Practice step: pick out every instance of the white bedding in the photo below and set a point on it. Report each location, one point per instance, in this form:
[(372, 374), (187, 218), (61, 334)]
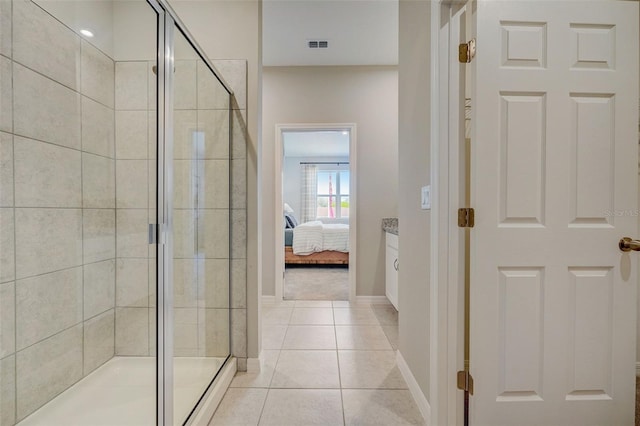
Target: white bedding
[(311, 237)]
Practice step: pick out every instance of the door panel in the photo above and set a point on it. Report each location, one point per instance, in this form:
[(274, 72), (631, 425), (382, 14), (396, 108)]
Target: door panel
[(554, 185)]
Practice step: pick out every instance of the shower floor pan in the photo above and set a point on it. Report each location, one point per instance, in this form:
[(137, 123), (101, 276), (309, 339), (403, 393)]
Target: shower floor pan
[(122, 392)]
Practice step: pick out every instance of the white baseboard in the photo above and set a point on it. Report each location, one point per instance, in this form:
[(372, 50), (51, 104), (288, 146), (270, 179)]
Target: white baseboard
[(253, 364), (637, 368), (414, 388), (215, 394), (373, 300)]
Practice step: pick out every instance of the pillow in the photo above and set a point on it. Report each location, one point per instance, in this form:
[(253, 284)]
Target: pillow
[(287, 208), (291, 221)]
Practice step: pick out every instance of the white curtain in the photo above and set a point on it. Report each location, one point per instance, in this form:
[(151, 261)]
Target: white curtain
[(309, 192)]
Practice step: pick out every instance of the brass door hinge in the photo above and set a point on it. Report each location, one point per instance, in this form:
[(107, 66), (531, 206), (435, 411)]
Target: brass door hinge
[(467, 51), (466, 218), (465, 382)]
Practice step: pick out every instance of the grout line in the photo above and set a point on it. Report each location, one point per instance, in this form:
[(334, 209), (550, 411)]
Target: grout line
[(80, 106), (15, 239), (335, 332)]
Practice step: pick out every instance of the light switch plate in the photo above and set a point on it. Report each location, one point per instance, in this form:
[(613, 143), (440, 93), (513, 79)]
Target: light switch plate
[(426, 197)]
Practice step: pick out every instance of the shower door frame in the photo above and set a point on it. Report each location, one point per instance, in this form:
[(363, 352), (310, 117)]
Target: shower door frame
[(161, 232)]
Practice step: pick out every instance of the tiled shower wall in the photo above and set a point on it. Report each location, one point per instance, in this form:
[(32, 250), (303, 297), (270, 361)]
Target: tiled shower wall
[(207, 253), (73, 291), (135, 152), (57, 215)]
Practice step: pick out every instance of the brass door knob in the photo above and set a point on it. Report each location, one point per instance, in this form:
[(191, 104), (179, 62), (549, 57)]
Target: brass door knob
[(627, 244)]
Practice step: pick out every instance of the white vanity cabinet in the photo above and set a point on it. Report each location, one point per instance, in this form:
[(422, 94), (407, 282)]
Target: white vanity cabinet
[(391, 269)]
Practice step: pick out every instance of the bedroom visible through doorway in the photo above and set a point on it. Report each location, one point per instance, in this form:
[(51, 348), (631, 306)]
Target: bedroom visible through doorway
[(316, 214)]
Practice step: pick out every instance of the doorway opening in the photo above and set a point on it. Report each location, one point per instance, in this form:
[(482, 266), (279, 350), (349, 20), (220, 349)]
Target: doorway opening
[(315, 212)]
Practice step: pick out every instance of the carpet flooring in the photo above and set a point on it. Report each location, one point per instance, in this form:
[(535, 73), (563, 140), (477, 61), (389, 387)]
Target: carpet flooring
[(316, 283)]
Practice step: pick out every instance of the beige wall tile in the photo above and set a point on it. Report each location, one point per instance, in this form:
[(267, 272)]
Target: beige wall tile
[(239, 135), (214, 124), (213, 330), (211, 93), (239, 332), (47, 240), (131, 86), (185, 123), (98, 181), (132, 230), (8, 385), (185, 336), (99, 287), (153, 133), (153, 84), (238, 186), (213, 233), (6, 168), (98, 75), (46, 175), (7, 319), (44, 109), (99, 234), (153, 187), (46, 305), (99, 343), (5, 31), (153, 266), (152, 331), (238, 283), (184, 184), (35, 32), (131, 184), (184, 234), (48, 368), (239, 234), (215, 184), (132, 129), (132, 331), (234, 72), (185, 283), (7, 246), (213, 282), (97, 128), (132, 283), (185, 84), (6, 91)]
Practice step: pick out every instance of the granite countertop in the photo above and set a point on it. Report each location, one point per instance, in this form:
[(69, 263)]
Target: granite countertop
[(390, 225)]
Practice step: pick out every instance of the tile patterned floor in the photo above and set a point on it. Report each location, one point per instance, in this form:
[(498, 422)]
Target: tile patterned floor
[(324, 363)]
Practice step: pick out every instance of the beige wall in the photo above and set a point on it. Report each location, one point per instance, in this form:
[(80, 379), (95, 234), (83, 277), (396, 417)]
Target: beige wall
[(233, 30), (414, 159), (366, 96)]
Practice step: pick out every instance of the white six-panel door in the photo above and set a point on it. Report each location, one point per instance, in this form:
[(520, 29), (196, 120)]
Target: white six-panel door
[(554, 187)]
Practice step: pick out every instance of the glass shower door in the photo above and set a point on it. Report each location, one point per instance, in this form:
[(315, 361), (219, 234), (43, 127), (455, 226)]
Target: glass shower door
[(78, 182), (201, 341)]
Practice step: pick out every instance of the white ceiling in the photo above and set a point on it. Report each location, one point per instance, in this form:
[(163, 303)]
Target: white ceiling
[(316, 144), (360, 32)]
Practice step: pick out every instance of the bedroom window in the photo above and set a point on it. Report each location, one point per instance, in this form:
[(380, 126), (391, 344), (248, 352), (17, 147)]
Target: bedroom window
[(333, 193)]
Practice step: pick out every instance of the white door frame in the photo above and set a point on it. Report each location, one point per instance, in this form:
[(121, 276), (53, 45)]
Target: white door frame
[(279, 204), (447, 241)]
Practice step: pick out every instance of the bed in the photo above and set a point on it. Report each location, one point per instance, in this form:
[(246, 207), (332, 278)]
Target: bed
[(317, 243)]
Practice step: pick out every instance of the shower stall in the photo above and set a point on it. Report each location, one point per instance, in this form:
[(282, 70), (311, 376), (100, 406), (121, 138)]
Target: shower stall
[(122, 245)]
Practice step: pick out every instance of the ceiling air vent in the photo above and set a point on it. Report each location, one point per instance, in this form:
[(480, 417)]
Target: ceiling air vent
[(318, 44)]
